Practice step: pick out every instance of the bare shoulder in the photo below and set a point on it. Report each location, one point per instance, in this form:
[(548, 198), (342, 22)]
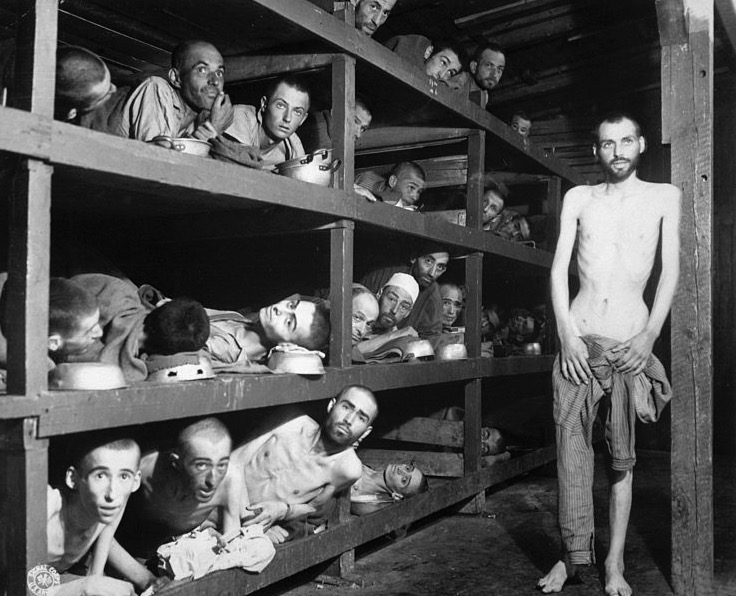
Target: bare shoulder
[(667, 197), (577, 197), (350, 467)]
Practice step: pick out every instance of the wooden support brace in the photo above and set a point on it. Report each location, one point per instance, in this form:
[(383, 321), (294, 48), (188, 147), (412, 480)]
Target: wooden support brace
[(24, 470), (341, 302), (27, 287), (687, 103), (432, 431)]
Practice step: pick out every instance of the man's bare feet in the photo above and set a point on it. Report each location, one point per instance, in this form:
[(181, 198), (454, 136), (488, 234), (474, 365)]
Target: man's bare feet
[(554, 580), (616, 585)]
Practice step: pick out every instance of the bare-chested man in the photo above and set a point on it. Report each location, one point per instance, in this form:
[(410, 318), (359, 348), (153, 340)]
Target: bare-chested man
[(607, 331), (293, 470), (179, 490)]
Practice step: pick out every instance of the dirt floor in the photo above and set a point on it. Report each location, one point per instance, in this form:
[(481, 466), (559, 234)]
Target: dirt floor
[(504, 551)]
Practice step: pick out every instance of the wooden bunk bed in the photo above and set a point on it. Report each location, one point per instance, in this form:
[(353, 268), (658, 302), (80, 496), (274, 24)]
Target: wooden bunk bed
[(225, 199)]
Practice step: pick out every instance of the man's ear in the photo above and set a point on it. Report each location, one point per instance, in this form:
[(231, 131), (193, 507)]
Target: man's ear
[(55, 342), (174, 77), (642, 145), (175, 460), (264, 103), (331, 404), (396, 496), (72, 114), (392, 180), (428, 52), (595, 150), (473, 66), (71, 478), (136, 481)]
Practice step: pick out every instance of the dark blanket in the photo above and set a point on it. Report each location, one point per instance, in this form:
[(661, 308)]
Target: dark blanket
[(121, 317)]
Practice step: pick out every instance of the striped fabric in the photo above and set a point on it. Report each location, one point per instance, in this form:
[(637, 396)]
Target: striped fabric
[(625, 397)]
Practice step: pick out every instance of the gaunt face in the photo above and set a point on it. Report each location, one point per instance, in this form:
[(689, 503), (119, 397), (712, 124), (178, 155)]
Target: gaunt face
[(619, 148)]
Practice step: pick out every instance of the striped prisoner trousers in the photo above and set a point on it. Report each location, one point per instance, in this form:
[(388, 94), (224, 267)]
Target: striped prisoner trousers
[(575, 409)]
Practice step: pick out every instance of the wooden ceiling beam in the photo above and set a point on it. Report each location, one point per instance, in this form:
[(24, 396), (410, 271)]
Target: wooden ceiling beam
[(555, 79)]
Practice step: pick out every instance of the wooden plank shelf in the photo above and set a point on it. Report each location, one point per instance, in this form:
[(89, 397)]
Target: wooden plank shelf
[(307, 552), (180, 182), (62, 412)]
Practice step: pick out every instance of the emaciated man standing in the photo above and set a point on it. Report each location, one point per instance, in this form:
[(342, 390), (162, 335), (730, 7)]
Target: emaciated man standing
[(606, 337)]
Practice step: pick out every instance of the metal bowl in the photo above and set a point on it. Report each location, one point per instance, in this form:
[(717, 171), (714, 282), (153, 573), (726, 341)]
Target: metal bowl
[(87, 376), (453, 352), (316, 167), (184, 145), (420, 349), (532, 349), (289, 358)]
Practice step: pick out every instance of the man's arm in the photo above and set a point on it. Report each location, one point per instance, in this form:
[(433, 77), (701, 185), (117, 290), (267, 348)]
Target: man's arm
[(573, 352), (636, 350), (127, 566)]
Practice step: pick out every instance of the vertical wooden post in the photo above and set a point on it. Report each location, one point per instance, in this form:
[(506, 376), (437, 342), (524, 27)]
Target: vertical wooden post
[(686, 33), (24, 470), (23, 457), (343, 135), (474, 300), (341, 302)]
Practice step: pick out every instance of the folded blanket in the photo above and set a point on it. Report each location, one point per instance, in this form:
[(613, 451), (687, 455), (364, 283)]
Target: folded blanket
[(121, 317), (198, 553)]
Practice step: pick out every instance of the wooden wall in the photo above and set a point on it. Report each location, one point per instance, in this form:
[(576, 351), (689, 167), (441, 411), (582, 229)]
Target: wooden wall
[(724, 333)]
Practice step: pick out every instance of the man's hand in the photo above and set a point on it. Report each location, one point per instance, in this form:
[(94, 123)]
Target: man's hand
[(633, 354), (267, 513), (574, 360), (364, 192), (277, 534), (222, 113), (96, 585)]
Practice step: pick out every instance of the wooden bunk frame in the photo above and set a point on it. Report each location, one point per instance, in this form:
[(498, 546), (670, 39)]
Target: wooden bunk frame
[(30, 414)]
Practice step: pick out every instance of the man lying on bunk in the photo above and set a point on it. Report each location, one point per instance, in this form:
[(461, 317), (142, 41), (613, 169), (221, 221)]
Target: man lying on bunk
[(269, 130), (395, 302), (426, 265), (189, 102), (134, 330), (364, 313), (294, 469), (74, 322), (441, 61), (85, 94), (402, 187), (317, 130), (84, 513), (396, 481), (180, 489), (239, 341), (484, 71), (371, 14)]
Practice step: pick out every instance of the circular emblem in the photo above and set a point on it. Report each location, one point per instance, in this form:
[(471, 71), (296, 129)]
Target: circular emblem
[(41, 579)]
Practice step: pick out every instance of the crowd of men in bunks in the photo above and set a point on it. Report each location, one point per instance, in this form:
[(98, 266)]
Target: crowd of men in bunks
[(212, 497)]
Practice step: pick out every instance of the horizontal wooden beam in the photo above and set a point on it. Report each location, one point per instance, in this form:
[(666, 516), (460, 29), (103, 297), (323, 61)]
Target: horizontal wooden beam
[(392, 137), (248, 68), (63, 412), (181, 183)]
